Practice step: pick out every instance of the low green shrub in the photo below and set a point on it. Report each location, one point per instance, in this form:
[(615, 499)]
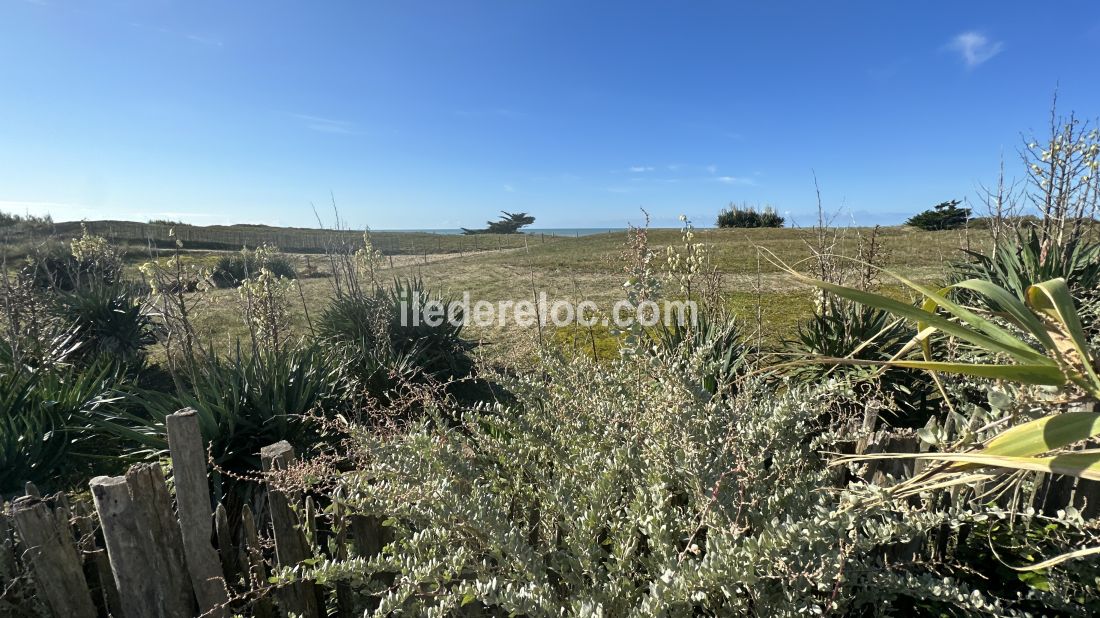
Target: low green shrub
[(231, 270), (46, 431), (841, 329), (108, 321), (622, 490), (749, 216)]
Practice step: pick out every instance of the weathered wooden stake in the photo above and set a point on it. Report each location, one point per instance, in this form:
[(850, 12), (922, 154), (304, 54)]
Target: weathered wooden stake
[(227, 550), (291, 547), (143, 544), (101, 566), (257, 572), (193, 505), (52, 556)]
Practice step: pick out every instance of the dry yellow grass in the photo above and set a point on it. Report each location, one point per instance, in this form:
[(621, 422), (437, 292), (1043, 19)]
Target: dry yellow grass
[(590, 268)]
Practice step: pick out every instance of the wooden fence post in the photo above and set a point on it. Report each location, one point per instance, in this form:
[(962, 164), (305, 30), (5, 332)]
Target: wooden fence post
[(227, 550), (195, 515), (291, 547), (143, 544), (257, 572), (101, 566), (51, 554)]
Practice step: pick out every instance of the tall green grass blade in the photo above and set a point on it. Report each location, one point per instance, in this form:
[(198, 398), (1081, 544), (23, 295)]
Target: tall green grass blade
[(1044, 375)]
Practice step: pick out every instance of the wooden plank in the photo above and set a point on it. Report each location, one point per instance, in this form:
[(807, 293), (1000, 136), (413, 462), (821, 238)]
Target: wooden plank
[(53, 559), (151, 497), (257, 571), (97, 556), (189, 473), (227, 550), (143, 544), (291, 547)]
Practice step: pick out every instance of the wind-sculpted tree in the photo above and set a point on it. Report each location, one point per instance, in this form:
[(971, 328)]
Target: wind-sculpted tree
[(510, 223), (943, 216)]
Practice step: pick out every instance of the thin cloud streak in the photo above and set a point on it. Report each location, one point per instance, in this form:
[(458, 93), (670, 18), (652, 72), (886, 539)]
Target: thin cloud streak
[(736, 180), (327, 125), (975, 48)]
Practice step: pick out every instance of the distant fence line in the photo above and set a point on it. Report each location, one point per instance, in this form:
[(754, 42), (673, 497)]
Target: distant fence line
[(232, 238)]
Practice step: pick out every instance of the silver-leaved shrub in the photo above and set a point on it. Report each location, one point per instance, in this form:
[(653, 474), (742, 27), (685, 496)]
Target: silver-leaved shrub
[(622, 490)]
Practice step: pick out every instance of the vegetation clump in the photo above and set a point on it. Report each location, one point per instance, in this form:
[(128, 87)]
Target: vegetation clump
[(509, 223), (746, 216), (233, 270), (943, 216)]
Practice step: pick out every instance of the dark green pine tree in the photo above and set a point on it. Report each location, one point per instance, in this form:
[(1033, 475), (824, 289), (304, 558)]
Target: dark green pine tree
[(943, 216)]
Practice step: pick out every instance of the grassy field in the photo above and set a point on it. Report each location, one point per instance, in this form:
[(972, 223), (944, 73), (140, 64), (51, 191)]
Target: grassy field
[(297, 240), (591, 268)]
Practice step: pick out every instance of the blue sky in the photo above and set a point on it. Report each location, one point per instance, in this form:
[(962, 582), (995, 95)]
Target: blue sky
[(439, 114)]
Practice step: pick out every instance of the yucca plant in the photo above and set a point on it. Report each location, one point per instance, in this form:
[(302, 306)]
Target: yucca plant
[(244, 402), (848, 330), (1048, 347), (388, 331), (1020, 261), (716, 342), (45, 422), (231, 270), (111, 321)]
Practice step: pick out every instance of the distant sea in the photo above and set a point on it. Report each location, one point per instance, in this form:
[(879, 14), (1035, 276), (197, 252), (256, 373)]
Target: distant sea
[(556, 231)]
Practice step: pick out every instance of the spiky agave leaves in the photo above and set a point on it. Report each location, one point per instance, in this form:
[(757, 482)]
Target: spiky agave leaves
[(46, 421), (1048, 315), (244, 401), (1064, 361), (714, 343)]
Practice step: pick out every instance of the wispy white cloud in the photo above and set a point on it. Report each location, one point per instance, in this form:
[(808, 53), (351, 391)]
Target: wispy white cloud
[(735, 180), (641, 168), (975, 48), (204, 40), (509, 188), (712, 169), (327, 125)]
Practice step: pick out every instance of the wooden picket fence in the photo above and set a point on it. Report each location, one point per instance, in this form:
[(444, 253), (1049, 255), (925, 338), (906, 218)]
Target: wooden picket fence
[(131, 553)]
